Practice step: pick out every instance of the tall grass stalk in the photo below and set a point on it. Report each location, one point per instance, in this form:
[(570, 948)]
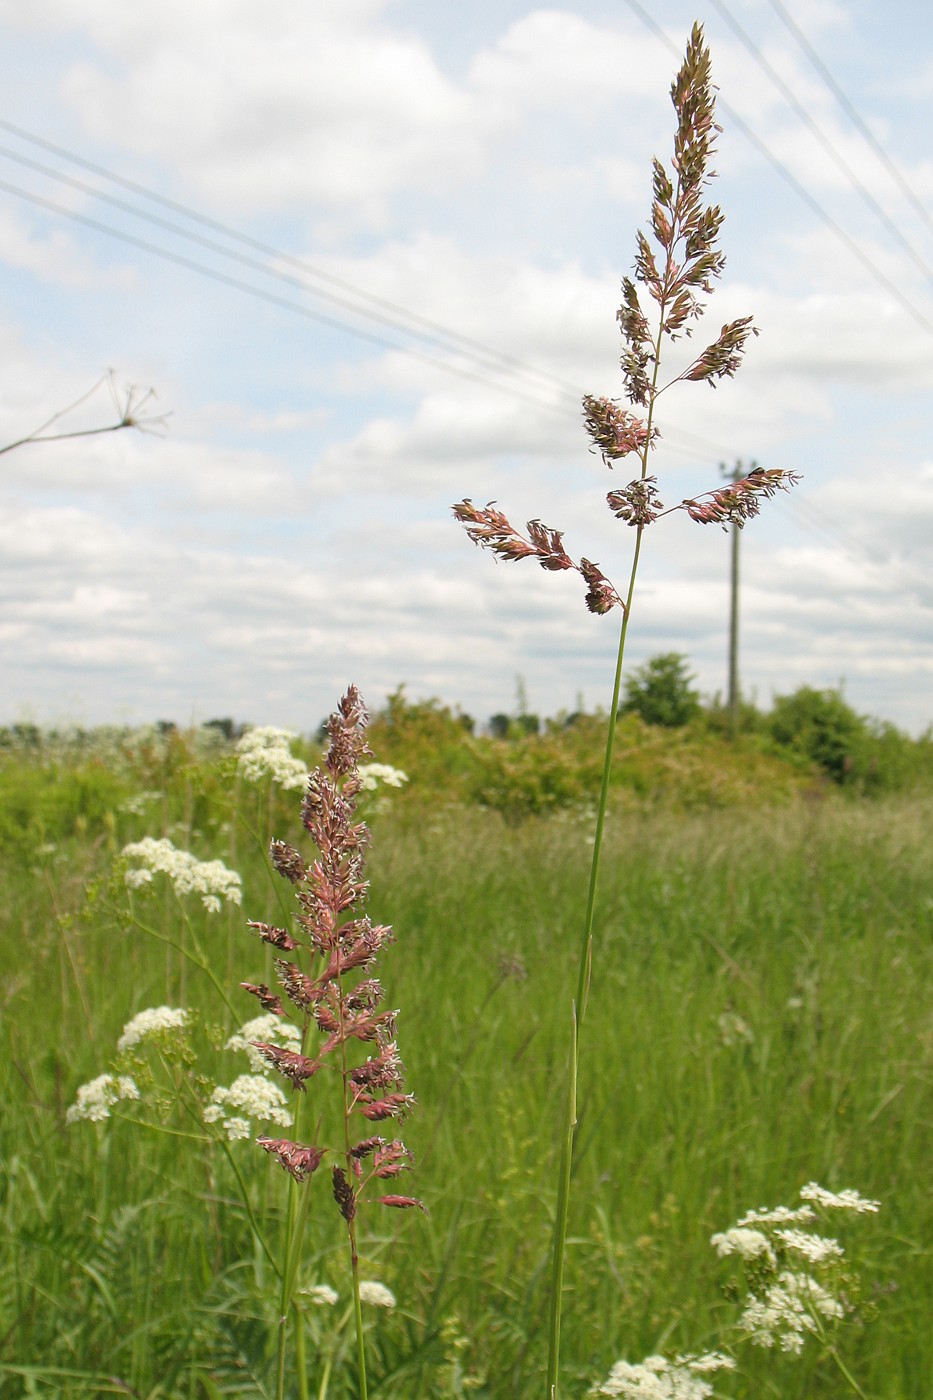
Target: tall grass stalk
[(681, 266)]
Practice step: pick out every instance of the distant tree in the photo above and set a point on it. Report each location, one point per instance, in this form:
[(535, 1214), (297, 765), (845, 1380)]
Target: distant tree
[(820, 726), (225, 726), (660, 692), (499, 726)]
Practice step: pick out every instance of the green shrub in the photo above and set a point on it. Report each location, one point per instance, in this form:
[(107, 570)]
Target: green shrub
[(661, 693)]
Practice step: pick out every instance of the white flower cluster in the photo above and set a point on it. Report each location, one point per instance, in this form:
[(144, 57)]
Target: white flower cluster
[(209, 878), (249, 1096), (94, 1101), (783, 1305), (788, 1310), (372, 774), (746, 1243), (150, 1022), (265, 752), (376, 1293), (271, 1030), (320, 1293), (656, 1378), (815, 1248), (844, 1200)]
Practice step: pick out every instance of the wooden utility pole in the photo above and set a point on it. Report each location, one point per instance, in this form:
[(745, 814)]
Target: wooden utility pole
[(735, 474)]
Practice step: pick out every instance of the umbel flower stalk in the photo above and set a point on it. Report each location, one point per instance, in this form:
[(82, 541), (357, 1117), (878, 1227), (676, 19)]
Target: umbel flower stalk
[(676, 265), (324, 970)]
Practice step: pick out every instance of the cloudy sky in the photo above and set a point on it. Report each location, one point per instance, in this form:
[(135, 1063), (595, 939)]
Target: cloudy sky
[(368, 254)]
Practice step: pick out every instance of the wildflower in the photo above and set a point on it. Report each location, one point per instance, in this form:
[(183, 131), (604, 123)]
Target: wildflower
[(779, 1215), (372, 774), (320, 1293), (787, 1311), (785, 1305), (844, 1200), (210, 879), (94, 1100), (816, 1248), (656, 1378), (271, 1029), (264, 752), (747, 1244), (151, 1022), (376, 1293), (252, 1096)]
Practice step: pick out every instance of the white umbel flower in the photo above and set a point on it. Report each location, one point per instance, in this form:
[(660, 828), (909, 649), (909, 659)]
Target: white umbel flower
[(271, 1030), (787, 1312), (209, 878), (250, 1096), (264, 752), (150, 1022), (815, 1248), (372, 774), (746, 1243), (842, 1200), (657, 1378), (94, 1100)]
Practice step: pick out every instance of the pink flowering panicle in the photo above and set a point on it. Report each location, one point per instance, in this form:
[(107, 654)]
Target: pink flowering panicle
[(325, 972), (325, 967), (675, 268), (677, 262)]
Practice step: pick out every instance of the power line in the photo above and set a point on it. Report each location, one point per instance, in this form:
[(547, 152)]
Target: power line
[(690, 443), (853, 114), (236, 235), (800, 190), (253, 263), (793, 101), (262, 294)]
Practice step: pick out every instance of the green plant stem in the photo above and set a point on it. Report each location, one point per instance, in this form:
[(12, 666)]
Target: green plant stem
[(578, 1010), (847, 1373), (199, 962), (357, 1311), (301, 1360)]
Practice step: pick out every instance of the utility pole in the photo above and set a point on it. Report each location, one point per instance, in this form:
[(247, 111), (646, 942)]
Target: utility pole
[(735, 474)]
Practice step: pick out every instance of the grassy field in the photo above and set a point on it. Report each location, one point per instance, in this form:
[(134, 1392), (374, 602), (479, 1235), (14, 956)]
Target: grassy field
[(760, 1018)]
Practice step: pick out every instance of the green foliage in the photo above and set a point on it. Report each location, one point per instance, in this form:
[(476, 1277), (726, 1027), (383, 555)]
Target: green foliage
[(660, 692), (760, 1018), (819, 727)]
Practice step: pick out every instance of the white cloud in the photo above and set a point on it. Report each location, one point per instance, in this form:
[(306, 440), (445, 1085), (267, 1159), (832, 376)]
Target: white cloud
[(56, 256)]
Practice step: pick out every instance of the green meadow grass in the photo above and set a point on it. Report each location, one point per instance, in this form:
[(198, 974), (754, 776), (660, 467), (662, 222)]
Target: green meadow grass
[(759, 1018)]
